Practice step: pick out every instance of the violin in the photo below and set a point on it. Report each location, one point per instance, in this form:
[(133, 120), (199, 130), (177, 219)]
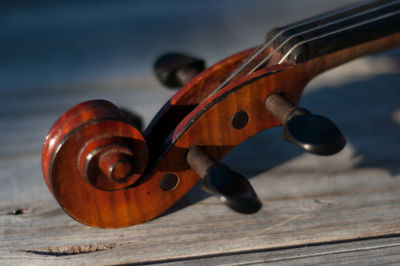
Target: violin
[(105, 172)]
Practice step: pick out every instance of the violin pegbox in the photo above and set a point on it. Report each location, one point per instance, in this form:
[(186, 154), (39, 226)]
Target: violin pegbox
[(96, 161), (313, 133)]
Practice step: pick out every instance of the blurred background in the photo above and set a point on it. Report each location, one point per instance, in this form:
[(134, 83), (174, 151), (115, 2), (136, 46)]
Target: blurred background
[(55, 54), (50, 45)]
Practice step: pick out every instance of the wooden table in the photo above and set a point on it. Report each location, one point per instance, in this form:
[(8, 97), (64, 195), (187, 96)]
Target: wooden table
[(343, 209)]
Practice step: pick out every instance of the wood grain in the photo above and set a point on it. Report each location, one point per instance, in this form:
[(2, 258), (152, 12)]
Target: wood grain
[(208, 125), (324, 208), (373, 251), (307, 199)]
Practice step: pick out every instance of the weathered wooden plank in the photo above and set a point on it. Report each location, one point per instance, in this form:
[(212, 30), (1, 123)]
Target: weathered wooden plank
[(308, 200), (326, 207), (365, 252), (380, 251)]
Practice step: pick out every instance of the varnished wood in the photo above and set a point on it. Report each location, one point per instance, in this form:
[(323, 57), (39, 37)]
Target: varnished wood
[(147, 199), (66, 123), (337, 210), (189, 118), (305, 204), (73, 160), (186, 99)]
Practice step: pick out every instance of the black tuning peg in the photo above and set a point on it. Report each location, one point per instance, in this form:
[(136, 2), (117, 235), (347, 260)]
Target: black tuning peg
[(175, 70), (313, 133), (230, 187)]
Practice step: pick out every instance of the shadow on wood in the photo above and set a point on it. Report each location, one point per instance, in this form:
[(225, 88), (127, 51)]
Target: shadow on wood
[(367, 112)]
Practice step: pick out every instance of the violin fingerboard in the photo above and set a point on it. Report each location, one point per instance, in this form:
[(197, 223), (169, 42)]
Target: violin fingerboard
[(305, 40)]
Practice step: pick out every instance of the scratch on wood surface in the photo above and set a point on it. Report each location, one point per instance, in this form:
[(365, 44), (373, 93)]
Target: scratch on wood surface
[(71, 250), (278, 224), (318, 204)]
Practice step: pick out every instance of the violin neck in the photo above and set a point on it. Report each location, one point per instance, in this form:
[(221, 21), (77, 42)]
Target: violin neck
[(360, 25)]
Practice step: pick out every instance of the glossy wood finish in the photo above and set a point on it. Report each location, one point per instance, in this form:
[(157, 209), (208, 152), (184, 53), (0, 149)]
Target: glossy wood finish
[(84, 158), (208, 124), (186, 99), (82, 113)]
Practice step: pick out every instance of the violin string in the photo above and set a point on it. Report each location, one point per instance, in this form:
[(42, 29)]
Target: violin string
[(338, 31), (320, 27), (294, 26)]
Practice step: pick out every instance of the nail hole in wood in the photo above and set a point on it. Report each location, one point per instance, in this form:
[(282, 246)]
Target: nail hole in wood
[(17, 211)]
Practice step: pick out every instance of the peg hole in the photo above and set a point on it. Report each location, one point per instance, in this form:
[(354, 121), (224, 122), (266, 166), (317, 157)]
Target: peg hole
[(169, 182), (240, 119)]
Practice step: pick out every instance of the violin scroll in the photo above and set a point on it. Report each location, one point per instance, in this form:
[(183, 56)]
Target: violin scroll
[(96, 162), (93, 148)]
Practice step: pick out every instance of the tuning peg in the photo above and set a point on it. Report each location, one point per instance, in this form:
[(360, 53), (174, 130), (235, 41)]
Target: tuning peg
[(175, 69), (232, 188), (313, 133)]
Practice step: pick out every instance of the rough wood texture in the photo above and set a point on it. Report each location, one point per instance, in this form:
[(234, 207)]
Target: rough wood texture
[(329, 205), (307, 199), (209, 125), (373, 251)]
